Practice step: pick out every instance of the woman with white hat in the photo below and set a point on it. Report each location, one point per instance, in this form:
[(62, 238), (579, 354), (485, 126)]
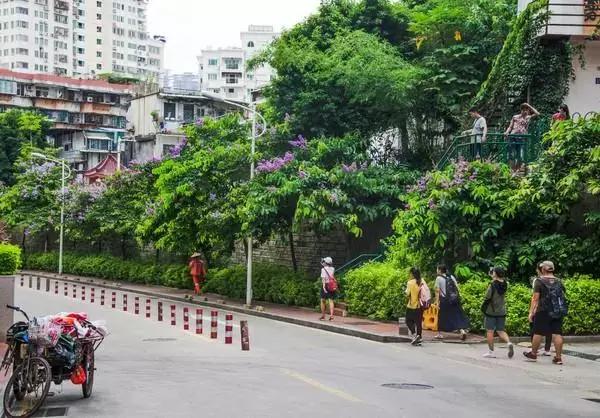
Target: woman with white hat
[(327, 278)]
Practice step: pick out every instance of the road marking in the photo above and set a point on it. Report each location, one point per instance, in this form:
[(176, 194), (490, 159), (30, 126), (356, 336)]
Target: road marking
[(320, 386)]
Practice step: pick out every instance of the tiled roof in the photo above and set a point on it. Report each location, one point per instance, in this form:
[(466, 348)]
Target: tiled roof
[(44, 78)]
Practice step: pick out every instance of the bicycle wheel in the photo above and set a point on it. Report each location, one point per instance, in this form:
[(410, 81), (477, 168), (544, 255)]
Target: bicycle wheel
[(27, 388), (88, 365)]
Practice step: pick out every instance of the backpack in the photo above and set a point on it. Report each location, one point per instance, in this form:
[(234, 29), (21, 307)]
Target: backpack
[(555, 300), (451, 290), (424, 296)]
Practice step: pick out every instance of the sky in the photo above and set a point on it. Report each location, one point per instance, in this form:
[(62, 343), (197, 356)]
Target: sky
[(193, 25)]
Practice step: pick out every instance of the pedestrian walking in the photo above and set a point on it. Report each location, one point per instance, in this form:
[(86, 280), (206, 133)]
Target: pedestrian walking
[(494, 311), (519, 126), (419, 298), (478, 133), (197, 271), (547, 337), (548, 307), (328, 286), (451, 316), (562, 114)]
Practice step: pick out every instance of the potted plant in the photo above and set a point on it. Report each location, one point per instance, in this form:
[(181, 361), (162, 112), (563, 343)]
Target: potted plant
[(10, 262)]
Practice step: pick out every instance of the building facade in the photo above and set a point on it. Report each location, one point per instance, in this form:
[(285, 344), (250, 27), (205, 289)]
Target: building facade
[(79, 38), (223, 71), (89, 116), (577, 21), (180, 81)]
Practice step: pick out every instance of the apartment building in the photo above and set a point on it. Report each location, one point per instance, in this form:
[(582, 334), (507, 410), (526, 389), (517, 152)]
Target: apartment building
[(79, 38), (577, 21), (223, 71), (180, 81), (89, 116)]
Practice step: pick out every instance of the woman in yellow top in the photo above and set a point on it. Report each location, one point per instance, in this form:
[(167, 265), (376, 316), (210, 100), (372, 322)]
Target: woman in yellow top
[(414, 312)]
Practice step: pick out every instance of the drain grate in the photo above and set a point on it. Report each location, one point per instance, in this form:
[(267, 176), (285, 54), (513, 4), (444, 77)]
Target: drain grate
[(159, 340), (58, 411), (597, 400), (407, 386)]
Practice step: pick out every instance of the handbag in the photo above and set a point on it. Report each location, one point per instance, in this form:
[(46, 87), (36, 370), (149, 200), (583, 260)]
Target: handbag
[(332, 284)]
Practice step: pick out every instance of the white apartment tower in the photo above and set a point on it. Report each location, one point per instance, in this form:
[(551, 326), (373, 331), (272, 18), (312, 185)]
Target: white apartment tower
[(79, 37), (223, 71)]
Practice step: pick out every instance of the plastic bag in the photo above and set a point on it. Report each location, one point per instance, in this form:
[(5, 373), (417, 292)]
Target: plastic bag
[(44, 332), (78, 376), (101, 327)]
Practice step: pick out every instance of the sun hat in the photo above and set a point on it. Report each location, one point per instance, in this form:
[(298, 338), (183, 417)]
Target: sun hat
[(196, 255), (327, 260), (547, 265)]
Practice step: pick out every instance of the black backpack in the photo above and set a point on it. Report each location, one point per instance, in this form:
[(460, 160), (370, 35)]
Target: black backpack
[(451, 290), (555, 300)]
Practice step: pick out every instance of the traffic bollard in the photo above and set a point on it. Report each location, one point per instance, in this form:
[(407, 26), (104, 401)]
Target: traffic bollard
[(186, 318), (198, 321), (83, 293), (124, 302), (160, 311), (173, 319), (137, 305), (213, 324), (92, 295), (148, 308), (245, 337), (114, 300), (228, 328), (101, 297), (74, 291)]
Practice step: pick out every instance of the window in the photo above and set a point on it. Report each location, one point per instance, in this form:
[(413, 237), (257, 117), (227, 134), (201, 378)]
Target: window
[(232, 63), (167, 149), (98, 41), (80, 38), (80, 50), (98, 54), (170, 111), (99, 29), (250, 77), (98, 16), (80, 25), (41, 92), (250, 44), (231, 90), (22, 10), (212, 76), (21, 64), (22, 24), (213, 61), (98, 4), (188, 112), (60, 19), (22, 51), (98, 66), (8, 87), (232, 78)]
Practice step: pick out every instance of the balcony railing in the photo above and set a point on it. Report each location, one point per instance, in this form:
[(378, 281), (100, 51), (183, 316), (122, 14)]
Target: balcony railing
[(573, 17)]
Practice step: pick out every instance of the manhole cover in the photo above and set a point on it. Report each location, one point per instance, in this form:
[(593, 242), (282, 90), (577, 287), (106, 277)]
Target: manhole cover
[(358, 323), (52, 412), (597, 400), (406, 386), (159, 340)]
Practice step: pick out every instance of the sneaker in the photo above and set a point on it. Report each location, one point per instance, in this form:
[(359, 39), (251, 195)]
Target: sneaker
[(511, 350), (416, 340), (439, 337), (557, 360), (546, 353), (463, 335), (489, 354), (530, 356)]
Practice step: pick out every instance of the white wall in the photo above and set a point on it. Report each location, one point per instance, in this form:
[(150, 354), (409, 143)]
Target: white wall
[(584, 91)]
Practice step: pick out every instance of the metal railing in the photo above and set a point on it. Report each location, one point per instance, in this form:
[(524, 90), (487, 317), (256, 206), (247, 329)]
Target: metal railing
[(357, 262)]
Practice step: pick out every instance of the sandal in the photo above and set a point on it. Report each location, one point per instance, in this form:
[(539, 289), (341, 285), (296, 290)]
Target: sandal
[(322, 318), (331, 318), (557, 360)]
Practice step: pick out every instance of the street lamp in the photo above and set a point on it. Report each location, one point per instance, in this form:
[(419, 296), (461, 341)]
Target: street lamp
[(250, 108), (62, 207)]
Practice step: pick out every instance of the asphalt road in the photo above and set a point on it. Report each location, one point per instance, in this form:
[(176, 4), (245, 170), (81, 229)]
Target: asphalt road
[(151, 369)]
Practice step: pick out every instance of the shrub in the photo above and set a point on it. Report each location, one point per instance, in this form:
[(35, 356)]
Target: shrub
[(270, 283), (376, 290), (113, 268), (10, 259)]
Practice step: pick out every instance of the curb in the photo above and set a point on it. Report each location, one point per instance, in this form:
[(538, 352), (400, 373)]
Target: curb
[(301, 322)]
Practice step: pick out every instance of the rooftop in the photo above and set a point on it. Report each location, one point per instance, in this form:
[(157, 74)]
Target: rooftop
[(76, 83)]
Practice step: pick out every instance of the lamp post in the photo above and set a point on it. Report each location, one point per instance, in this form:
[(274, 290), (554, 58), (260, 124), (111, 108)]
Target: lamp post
[(64, 167), (249, 107)]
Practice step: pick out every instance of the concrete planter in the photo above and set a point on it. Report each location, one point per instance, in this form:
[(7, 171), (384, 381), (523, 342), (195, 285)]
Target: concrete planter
[(7, 297)]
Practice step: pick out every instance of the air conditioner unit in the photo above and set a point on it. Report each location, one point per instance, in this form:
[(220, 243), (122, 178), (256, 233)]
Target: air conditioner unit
[(90, 99)]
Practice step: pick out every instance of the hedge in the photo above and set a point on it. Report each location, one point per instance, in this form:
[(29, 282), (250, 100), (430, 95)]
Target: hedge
[(10, 259), (270, 283), (113, 268), (376, 290)]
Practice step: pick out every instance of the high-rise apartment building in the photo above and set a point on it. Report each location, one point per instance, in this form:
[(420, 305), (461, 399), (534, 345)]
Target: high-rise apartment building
[(223, 71), (79, 37)]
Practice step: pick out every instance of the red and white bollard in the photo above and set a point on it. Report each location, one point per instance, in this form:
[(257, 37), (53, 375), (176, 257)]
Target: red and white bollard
[(92, 295), (74, 291), (160, 311), (114, 300), (147, 308), (228, 328), (66, 289), (102, 292), (186, 318), (56, 287), (245, 337), (137, 305), (213, 324), (83, 293), (124, 302), (173, 319), (198, 321)]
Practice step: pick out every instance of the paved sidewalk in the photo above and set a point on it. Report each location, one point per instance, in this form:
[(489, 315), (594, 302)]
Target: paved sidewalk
[(385, 332)]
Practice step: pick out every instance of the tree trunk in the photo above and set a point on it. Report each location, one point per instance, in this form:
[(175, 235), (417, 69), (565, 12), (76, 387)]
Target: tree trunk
[(46, 239), (404, 138), (123, 248), (293, 251)]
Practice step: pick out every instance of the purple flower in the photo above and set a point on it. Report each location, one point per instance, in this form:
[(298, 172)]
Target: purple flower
[(407, 207), (302, 174), (199, 122), (270, 166), (349, 168), (299, 142), (432, 204), (27, 231), (177, 149)]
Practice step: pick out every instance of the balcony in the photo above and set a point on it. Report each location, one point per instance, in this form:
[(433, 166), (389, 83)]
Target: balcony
[(61, 5), (570, 17)]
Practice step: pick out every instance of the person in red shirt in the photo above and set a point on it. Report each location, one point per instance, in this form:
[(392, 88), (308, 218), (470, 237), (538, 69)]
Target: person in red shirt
[(197, 271), (562, 114)]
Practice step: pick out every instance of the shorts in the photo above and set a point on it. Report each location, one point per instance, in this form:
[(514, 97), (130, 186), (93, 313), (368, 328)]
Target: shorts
[(494, 323), (327, 295), (543, 324)]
